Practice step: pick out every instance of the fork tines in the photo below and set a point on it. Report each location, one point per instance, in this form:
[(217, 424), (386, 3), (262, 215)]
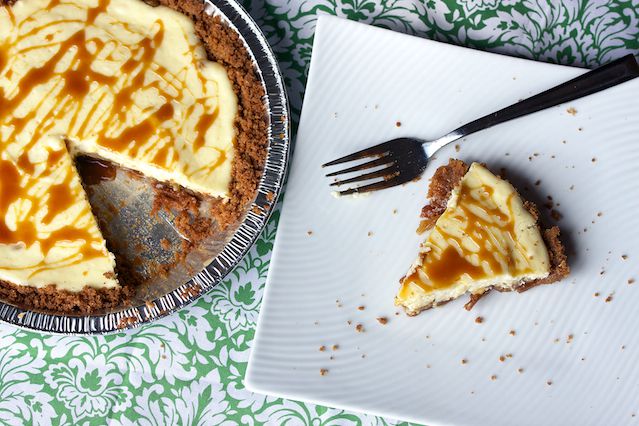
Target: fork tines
[(391, 175)]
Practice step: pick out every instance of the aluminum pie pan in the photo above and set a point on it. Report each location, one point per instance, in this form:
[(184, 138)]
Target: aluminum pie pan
[(256, 218)]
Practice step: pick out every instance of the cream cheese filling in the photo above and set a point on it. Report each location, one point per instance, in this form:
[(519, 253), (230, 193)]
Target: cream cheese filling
[(484, 238)]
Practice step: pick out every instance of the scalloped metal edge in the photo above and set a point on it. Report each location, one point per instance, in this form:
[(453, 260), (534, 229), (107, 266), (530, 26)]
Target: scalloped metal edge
[(244, 237)]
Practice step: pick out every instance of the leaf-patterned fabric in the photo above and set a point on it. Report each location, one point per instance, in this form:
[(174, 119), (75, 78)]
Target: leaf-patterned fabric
[(187, 369)]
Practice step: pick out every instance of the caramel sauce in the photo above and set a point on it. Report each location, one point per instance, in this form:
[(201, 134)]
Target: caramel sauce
[(4, 58), (162, 155), (477, 220), (165, 113), (11, 191), (94, 171), (205, 122), (71, 235), (25, 164), (71, 64), (449, 268), (60, 199), (54, 158), (220, 159)]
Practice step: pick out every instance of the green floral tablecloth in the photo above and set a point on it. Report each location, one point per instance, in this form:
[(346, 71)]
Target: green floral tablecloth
[(188, 369)]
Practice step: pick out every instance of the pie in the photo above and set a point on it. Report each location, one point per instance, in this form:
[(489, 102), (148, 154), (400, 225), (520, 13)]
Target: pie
[(481, 235), (163, 89)]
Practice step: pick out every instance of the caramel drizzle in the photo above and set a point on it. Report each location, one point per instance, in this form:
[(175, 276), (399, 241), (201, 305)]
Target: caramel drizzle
[(59, 199), (70, 91), (450, 265)]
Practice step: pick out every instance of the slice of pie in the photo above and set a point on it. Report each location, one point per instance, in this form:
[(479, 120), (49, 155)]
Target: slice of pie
[(481, 235), (165, 90), (48, 233)]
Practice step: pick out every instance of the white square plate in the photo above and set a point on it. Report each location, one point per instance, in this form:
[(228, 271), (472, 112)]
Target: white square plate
[(576, 350)]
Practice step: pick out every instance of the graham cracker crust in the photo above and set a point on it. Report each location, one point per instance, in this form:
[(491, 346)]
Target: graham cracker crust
[(223, 45), (51, 299), (445, 179)]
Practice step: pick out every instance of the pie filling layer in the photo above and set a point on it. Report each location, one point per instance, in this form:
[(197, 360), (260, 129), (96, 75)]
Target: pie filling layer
[(116, 79), (49, 234), (485, 238)]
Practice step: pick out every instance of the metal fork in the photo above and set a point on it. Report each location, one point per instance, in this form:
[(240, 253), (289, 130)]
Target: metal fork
[(406, 158)]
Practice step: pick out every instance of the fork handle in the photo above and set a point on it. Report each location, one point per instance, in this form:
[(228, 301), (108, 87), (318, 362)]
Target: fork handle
[(611, 74)]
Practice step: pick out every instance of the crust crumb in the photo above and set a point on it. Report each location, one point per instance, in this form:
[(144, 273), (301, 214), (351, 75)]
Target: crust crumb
[(126, 322), (474, 298), (165, 244)]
